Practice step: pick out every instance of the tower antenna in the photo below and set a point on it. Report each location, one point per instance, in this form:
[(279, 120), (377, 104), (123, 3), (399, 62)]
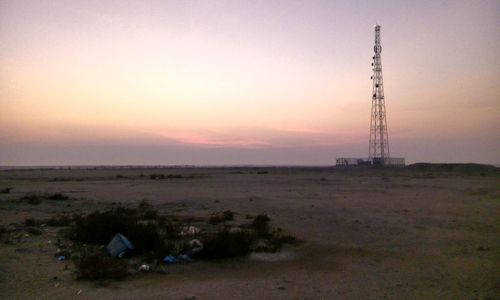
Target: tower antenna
[(378, 149), (378, 146)]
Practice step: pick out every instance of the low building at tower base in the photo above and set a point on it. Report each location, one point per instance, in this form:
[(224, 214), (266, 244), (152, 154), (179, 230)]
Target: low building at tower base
[(376, 161)]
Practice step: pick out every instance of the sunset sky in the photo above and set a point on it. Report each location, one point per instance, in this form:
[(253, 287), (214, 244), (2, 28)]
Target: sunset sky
[(245, 82)]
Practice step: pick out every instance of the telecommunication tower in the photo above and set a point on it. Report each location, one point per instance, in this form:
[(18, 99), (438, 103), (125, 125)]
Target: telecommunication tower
[(379, 138)]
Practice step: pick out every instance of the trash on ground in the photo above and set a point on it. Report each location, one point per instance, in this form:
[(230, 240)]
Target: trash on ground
[(196, 246), (189, 230), (119, 245), (62, 254), (144, 268), (184, 258), (170, 260)]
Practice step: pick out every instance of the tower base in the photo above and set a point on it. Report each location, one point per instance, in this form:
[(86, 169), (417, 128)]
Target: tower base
[(376, 161)]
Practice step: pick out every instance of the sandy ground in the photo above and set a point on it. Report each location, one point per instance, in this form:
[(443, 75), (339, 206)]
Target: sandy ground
[(369, 234)]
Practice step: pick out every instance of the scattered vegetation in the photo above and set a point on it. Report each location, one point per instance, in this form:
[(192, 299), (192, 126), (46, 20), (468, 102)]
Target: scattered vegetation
[(147, 211), (99, 227), (32, 199), (95, 264), (462, 169), (236, 172), (59, 221), (261, 225), (65, 179), (36, 199), (169, 176), (156, 176), (5, 190), (153, 235), (57, 197), (30, 222), (33, 230), (262, 172), (3, 232), (279, 238), (221, 217), (226, 244)]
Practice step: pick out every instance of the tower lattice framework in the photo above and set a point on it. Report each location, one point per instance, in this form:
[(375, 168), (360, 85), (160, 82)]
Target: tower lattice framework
[(379, 138)]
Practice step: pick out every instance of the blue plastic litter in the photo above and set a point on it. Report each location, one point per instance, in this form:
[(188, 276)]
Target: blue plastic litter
[(169, 259), (119, 245), (185, 258), (61, 258)]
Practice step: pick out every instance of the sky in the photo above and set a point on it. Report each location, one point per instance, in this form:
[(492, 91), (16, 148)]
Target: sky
[(245, 82)]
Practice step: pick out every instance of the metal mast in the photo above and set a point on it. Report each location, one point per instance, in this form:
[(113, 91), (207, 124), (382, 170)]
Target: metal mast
[(379, 138)]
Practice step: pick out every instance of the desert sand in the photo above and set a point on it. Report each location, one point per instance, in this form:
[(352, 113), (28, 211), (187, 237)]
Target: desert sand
[(367, 233)]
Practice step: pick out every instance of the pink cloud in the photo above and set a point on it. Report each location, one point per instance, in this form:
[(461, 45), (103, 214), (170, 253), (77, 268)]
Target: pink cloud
[(213, 140)]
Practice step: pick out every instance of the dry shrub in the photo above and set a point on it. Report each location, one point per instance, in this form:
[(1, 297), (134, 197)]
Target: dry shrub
[(36, 199), (32, 199), (95, 264), (59, 221), (57, 197), (169, 176), (278, 238), (33, 230), (30, 222), (261, 225), (156, 176), (226, 244), (221, 217), (100, 227), (146, 210), (5, 190)]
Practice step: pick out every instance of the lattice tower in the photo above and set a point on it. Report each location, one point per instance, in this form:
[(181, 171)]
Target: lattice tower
[(379, 138)]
